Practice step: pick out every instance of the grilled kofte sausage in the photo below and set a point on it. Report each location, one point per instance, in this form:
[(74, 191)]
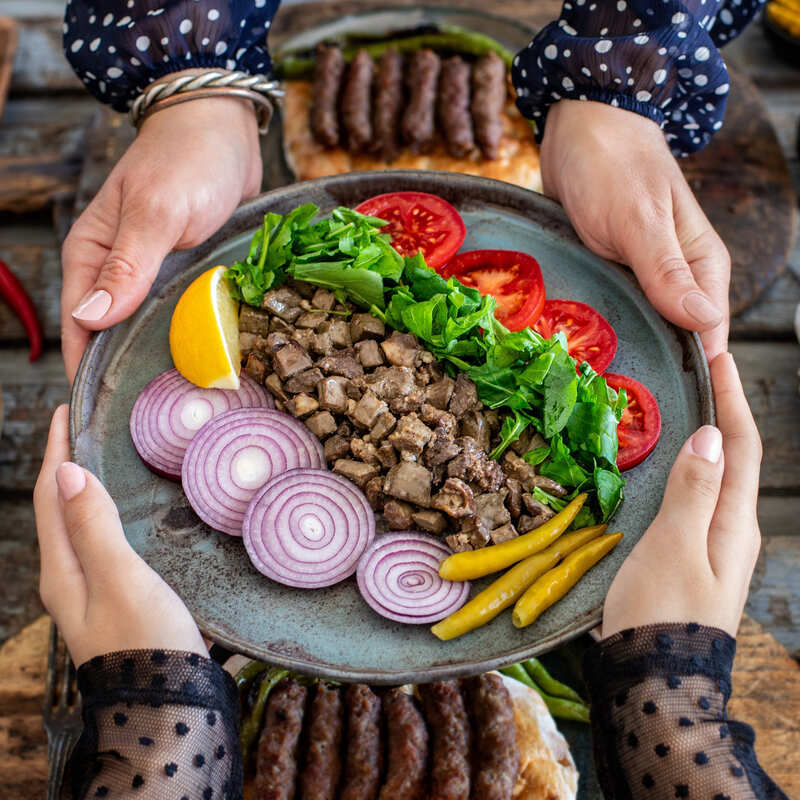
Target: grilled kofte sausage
[(408, 748), (322, 768), (276, 771), (357, 102), (488, 100), (497, 755), (388, 103), (448, 724), (453, 105), (422, 78), (363, 763), (327, 85)]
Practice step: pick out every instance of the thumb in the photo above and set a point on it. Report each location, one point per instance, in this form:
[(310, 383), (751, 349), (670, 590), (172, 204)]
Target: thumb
[(656, 257), (93, 526), (144, 237), (693, 486)]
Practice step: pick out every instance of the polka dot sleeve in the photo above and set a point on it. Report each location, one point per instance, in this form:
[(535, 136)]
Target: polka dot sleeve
[(119, 46), (157, 724), (657, 58), (659, 722)]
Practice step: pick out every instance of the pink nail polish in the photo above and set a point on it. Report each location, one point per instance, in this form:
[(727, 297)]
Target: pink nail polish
[(707, 443), (94, 307), (71, 480), (701, 308)]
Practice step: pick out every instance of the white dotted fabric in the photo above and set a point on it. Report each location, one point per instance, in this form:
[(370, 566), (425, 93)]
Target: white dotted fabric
[(658, 58), (131, 43)]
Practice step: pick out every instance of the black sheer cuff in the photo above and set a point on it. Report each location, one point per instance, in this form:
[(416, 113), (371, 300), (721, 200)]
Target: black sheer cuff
[(162, 721), (659, 721)]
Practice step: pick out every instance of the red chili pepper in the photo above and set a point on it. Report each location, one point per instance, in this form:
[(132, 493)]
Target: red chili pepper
[(13, 292)]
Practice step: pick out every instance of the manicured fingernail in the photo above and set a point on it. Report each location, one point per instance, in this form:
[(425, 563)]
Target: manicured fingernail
[(71, 480), (697, 305), (707, 443), (93, 307)]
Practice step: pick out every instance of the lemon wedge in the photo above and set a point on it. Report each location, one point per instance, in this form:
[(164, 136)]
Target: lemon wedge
[(204, 333)]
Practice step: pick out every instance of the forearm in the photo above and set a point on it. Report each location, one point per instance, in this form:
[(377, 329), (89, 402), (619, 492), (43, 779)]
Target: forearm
[(659, 722), (165, 722), (118, 50)]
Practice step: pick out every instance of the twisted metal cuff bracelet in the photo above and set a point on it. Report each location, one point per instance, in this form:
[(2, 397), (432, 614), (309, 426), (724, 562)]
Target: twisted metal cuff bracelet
[(216, 80)]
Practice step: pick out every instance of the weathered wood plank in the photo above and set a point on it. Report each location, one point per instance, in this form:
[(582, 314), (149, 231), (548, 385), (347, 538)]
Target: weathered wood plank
[(41, 150), (771, 317), (19, 564), (769, 375), (782, 105), (31, 250), (766, 693), (30, 392), (774, 598), (40, 64), (753, 52)]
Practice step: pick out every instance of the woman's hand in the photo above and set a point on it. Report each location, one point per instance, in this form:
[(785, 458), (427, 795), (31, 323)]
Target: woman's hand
[(100, 593), (694, 563), (627, 198), (183, 176)]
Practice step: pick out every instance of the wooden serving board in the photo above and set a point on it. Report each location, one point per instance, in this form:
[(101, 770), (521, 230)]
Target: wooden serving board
[(766, 684)]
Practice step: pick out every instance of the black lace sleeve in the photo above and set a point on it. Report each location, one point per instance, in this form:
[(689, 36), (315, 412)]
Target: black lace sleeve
[(659, 722), (157, 724)]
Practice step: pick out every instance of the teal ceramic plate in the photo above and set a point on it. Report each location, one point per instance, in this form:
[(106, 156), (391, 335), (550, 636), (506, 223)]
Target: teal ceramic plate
[(332, 632)]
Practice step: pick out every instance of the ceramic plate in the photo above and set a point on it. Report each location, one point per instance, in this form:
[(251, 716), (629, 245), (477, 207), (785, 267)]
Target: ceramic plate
[(332, 632)]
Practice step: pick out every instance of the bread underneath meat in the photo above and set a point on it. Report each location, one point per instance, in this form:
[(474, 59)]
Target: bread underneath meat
[(546, 766), (517, 162)]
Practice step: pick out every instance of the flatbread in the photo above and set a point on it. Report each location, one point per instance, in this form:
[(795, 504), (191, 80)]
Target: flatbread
[(518, 160), (547, 771)]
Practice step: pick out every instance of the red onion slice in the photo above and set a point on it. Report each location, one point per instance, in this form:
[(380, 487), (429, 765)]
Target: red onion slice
[(308, 528), (170, 410), (399, 578), (235, 454)]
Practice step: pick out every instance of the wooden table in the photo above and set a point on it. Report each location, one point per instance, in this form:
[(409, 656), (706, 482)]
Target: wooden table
[(41, 140)]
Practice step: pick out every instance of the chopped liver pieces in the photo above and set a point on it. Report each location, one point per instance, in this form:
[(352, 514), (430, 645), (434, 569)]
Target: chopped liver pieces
[(413, 438)]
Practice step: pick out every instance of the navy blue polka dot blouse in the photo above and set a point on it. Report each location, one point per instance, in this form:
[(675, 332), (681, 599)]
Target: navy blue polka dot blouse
[(658, 58)]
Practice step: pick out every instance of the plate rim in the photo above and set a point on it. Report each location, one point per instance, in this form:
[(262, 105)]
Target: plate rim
[(519, 199)]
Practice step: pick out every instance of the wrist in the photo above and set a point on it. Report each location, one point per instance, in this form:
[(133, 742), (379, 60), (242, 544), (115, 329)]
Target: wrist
[(226, 107), (236, 113)]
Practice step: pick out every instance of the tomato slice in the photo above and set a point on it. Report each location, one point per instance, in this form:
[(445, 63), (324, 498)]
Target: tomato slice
[(590, 337), (513, 279), (640, 426), (419, 222)]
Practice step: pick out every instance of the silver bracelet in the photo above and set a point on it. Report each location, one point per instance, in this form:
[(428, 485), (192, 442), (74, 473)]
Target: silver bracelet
[(216, 81)]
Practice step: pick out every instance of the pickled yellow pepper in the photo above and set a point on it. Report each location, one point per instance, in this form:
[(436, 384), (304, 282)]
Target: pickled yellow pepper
[(486, 605), (477, 563), (555, 583)]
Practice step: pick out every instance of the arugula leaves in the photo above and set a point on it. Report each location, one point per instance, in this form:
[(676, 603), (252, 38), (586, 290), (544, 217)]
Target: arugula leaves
[(533, 379)]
